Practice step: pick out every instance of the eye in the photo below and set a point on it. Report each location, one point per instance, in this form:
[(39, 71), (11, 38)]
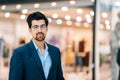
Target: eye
[(35, 26), (43, 26)]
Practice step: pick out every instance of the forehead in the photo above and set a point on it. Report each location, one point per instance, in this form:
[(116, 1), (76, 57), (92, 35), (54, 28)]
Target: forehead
[(38, 22)]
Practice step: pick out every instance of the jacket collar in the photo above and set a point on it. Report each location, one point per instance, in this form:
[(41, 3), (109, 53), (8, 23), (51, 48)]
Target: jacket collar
[(38, 61), (35, 56)]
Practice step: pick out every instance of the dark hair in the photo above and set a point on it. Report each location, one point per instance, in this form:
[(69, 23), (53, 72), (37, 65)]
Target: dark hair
[(22, 42), (36, 16)]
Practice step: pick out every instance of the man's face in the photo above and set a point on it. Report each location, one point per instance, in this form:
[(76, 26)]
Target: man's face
[(38, 30)]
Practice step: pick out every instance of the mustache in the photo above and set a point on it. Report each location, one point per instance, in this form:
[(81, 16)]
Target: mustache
[(40, 33)]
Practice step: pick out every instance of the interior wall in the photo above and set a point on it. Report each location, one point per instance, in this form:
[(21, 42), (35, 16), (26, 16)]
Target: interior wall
[(61, 35), (7, 33)]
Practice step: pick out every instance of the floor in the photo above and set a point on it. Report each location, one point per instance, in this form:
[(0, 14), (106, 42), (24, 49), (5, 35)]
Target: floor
[(104, 73)]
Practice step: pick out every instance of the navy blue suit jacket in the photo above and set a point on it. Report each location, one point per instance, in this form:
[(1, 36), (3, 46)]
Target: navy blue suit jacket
[(26, 65), (118, 61)]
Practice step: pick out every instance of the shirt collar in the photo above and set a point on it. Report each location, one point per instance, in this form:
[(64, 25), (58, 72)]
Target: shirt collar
[(36, 47)]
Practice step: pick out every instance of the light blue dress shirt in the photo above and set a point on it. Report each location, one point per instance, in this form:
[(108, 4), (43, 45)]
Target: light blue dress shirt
[(45, 59)]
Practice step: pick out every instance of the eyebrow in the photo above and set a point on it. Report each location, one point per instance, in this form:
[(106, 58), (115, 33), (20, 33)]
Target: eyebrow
[(43, 24), (40, 25)]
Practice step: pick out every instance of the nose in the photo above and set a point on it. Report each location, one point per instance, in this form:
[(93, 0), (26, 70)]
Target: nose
[(39, 29)]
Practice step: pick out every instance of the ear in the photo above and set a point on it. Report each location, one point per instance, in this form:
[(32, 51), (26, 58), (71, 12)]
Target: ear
[(30, 30)]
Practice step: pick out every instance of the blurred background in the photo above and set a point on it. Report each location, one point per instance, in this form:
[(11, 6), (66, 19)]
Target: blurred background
[(73, 24)]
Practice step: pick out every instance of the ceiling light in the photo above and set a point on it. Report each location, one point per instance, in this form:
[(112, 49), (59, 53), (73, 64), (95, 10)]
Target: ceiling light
[(64, 8), (107, 22), (50, 20), (67, 17), (104, 15), (69, 23), (92, 13), (3, 7), (78, 19), (72, 2), (101, 26), (36, 5), (77, 24), (117, 3), (7, 14), (22, 17), (59, 21), (24, 11), (18, 6), (89, 20), (42, 12), (108, 27), (55, 15), (53, 4), (87, 16), (79, 11)]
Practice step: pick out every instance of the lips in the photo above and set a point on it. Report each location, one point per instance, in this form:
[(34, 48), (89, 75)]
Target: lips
[(40, 34)]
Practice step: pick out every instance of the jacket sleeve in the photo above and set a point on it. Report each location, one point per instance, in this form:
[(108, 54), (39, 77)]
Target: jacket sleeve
[(59, 69), (16, 66), (118, 57)]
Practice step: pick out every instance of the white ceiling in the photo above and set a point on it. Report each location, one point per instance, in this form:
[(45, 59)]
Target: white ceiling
[(85, 5), (49, 10)]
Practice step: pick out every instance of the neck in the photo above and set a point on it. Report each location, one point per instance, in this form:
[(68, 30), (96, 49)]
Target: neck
[(40, 44)]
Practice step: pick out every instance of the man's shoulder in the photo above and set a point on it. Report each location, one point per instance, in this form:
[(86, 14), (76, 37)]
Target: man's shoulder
[(22, 48), (52, 46)]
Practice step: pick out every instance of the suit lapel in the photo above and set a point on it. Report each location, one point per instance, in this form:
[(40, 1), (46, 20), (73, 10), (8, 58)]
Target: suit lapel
[(36, 58), (51, 53)]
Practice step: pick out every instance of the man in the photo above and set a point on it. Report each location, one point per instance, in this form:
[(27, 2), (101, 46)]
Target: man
[(36, 60), (118, 61), (117, 32)]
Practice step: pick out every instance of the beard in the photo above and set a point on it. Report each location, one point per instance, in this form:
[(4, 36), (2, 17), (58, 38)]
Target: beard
[(40, 36)]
